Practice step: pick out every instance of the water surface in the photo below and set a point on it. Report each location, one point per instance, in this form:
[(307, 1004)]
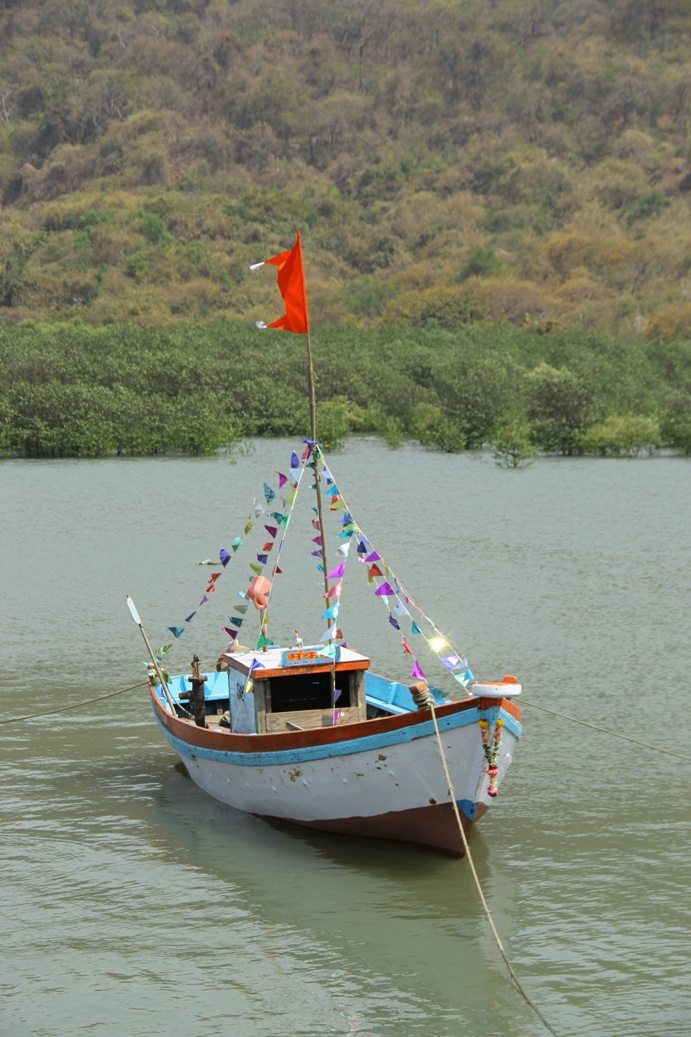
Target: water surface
[(135, 905)]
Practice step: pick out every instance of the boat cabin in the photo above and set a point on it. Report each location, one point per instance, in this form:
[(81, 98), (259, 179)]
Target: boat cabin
[(286, 689)]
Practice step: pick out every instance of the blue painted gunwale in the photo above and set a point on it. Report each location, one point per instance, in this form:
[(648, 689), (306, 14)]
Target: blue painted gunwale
[(346, 747)]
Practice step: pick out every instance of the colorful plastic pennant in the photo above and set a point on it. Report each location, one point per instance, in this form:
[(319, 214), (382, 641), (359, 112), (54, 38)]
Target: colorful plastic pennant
[(176, 631), (336, 573), (385, 588), (406, 647), (224, 557), (393, 621), (417, 672), (335, 591)]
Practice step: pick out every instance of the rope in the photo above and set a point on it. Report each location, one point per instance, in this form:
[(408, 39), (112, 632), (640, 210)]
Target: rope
[(75, 705), (604, 730), (471, 863)]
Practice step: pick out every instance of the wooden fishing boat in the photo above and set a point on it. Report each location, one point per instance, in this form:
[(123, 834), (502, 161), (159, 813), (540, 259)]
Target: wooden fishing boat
[(369, 767), (310, 734)]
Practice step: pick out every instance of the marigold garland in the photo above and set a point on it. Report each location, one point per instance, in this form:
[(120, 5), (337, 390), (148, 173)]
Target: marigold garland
[(490, 745)]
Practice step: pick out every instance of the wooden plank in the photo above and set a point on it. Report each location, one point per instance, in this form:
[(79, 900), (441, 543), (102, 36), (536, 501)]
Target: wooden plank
[(309, 718)]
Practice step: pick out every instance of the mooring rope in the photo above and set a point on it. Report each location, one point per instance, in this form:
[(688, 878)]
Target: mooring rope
[(606, 731), (488, 914), (74, 705)]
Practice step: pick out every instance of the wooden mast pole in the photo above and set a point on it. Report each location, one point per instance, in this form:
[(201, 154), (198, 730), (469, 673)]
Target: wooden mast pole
[(316, 454)]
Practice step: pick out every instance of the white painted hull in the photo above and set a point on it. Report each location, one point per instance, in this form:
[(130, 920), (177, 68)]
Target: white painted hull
[(358, 784)]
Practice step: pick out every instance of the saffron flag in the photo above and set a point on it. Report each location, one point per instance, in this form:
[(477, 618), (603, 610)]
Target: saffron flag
[(291, 284)]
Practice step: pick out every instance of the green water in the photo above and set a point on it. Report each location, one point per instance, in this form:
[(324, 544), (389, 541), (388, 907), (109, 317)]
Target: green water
[(135, 905)]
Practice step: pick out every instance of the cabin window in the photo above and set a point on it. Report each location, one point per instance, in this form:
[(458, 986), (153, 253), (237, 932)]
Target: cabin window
[(309, 691)]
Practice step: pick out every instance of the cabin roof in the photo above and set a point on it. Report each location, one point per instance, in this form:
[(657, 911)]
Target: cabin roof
[(270, 663)]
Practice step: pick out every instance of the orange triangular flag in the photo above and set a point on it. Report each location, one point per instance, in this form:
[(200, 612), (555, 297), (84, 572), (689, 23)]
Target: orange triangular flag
[(291, 283)]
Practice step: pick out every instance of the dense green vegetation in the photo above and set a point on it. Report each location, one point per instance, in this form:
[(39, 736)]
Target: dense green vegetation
[(71, 389), (447, 160)]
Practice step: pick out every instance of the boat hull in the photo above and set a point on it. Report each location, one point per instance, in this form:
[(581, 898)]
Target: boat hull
[(380, 778)]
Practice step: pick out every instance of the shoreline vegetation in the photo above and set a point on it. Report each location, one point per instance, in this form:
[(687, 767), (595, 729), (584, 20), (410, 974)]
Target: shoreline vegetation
[(68, 389)]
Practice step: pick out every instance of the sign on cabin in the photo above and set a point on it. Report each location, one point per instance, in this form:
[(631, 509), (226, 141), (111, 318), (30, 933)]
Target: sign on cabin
[(309, 656)]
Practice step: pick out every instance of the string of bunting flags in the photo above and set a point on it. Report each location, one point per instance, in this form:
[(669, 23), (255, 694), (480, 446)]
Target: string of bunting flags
[(403, 610), (387, 587), (278, 521)]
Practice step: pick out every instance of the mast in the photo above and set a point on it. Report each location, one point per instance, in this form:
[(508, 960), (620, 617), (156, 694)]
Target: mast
[(293, 288), (316, 456)]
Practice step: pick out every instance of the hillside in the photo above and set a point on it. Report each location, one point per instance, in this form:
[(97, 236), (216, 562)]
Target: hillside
[(527, 161)]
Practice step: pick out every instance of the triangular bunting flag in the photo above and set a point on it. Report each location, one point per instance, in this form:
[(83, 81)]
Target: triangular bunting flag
[(336, 573), (176, 631), (417, 671), (451, 661)]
